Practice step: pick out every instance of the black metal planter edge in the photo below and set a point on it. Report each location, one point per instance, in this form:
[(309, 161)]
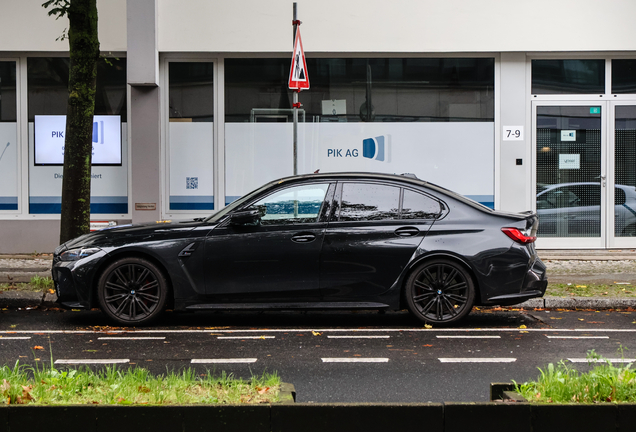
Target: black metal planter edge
[(331, 417)]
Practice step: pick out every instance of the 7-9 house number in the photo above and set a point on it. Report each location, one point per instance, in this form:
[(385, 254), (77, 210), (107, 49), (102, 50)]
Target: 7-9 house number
[(512, 133)]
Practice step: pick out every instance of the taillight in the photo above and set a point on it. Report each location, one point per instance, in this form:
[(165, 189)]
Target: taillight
[(518, 235)]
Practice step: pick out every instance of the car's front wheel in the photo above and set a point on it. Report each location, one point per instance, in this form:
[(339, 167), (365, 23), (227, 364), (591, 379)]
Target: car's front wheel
[(132, 291), (440, 291)]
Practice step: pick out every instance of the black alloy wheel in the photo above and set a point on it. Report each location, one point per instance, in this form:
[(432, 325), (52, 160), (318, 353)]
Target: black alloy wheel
[(132, 291), (440, 292)]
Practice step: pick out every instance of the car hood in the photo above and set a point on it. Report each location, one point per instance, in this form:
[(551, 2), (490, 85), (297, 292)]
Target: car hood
[(147, 230)]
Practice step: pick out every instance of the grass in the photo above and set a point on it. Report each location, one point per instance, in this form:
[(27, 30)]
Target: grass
[(36, 284), (563, 384), (50, 386), (591, 290)]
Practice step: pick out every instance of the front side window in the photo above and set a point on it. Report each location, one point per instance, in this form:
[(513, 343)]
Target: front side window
[(294, 205)]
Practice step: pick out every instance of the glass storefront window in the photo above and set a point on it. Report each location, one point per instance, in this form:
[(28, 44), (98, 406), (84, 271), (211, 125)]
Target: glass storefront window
[(568, 76), (8, 138), (47, 82), (624, 76), (363, 90), (190, 139), (363, 114)]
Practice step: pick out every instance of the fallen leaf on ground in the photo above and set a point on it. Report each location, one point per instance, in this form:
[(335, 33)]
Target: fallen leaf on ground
[(428, 326), (38, 347), (315, 333)]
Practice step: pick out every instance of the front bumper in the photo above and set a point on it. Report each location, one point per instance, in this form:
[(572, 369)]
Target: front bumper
[(73, 281)]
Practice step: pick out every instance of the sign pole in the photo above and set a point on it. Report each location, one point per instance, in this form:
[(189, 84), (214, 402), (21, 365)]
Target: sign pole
[(295, 97)]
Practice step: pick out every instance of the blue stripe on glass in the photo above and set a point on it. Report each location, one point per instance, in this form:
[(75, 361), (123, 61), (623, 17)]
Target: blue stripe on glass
[(104, 205), (191, 202)]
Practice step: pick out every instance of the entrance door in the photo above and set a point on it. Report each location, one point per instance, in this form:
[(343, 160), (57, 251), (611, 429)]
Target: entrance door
[(623, 165), (570, 174), (585, 174)]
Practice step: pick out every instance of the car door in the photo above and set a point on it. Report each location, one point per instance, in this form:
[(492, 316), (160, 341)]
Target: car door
[(373, 232), (276, 258)]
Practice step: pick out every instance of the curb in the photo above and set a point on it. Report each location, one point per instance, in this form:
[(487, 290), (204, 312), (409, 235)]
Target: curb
[(578, 303)]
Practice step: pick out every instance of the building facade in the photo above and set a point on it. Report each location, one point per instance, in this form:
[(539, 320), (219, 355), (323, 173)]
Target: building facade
[(518, 105)]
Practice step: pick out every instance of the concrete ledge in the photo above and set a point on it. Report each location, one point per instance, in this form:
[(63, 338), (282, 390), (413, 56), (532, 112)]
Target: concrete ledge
[(579, 302), (431, 417)]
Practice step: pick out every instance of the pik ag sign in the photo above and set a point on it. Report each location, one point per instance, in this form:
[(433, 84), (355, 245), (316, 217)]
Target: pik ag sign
[(377, 148)]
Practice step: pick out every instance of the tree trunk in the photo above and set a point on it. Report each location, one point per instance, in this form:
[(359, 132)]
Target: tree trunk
[(78, 139)]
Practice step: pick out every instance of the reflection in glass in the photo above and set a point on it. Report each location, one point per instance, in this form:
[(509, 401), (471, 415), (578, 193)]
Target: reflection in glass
[(397, 89), (418, 206), (568, 171), (568, 76), (294, 205), (369, 202)]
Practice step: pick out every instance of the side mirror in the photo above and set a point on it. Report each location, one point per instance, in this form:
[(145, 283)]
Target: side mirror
[(246, 217)]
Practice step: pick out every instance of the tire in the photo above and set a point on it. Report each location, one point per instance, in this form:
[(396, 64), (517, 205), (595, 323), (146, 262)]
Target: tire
[(132, 291), (440, 291)]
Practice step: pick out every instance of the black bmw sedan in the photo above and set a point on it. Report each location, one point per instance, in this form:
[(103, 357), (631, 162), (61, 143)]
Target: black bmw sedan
[(316, 241)]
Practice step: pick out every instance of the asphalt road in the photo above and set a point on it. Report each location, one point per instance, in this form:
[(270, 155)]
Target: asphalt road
[(330, 356)]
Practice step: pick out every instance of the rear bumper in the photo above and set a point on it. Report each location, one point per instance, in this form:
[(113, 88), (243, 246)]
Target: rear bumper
[(533, 284)]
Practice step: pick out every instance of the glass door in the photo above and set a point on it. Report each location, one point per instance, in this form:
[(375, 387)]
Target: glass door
[(623, 165), (570, 174)]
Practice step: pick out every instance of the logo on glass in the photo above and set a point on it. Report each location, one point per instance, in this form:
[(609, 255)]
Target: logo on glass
[(376, 148), (98, 132)]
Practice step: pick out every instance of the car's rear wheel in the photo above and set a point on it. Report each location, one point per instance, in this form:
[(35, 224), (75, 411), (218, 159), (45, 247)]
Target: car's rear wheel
[(440, 291), (132, 291)]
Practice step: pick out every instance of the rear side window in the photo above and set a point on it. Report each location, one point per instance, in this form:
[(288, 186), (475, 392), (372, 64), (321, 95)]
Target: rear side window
[(369, 202), (418, 206)]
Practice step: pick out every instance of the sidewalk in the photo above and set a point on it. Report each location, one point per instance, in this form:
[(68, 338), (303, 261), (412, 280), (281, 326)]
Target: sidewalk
[(564, 266)]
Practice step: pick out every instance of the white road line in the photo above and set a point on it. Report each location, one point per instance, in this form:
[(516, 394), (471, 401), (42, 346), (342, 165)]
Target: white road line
[(613, 360), (246, 337), (229, 360), (577, 337), (327, 330), (14, 337), (354, 360), (469, 337), (91, 361), (359, 337), (478, 360), (133, 338)]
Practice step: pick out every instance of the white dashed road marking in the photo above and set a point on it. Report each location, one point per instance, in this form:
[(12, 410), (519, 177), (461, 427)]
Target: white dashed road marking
[(477, 360), (132, 338), (612, 360), (354, 360), (91, 361), (229, 360), (14, 337), (469, 337), (577, 337), (358, 337), (246, 337)]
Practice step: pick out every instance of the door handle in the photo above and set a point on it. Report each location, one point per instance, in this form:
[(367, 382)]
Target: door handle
[(303, 238), (407, 231)]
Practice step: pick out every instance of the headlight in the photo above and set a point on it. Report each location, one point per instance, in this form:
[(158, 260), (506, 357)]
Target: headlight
[(77, 254)]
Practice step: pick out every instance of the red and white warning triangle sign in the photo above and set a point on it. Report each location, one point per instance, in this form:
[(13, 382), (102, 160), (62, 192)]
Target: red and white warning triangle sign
[(298, 78)]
